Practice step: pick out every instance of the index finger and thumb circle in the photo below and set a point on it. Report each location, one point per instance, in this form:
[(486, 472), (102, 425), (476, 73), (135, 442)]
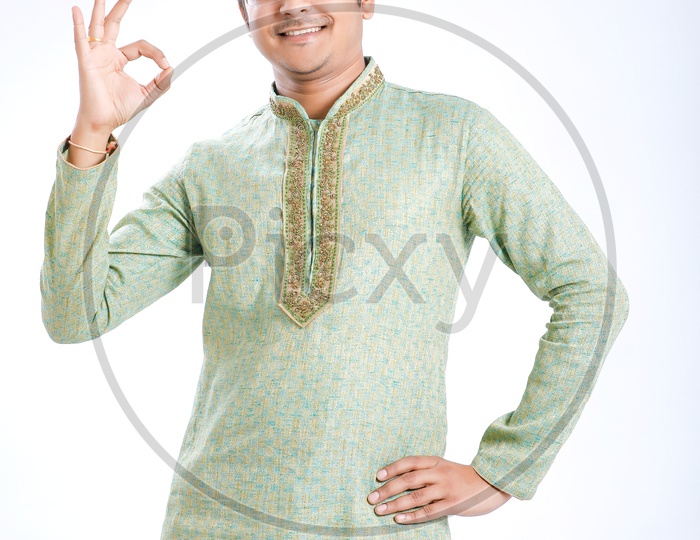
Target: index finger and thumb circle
[(140, 48), (161, 82)]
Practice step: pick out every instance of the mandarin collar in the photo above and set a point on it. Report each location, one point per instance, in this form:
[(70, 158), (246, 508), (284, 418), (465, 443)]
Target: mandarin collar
[(360, 91)]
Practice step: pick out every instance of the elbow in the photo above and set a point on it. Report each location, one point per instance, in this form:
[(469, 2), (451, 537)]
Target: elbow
[(62, 334), (612, 297), (615, 306), (63, 326), (622, 303), (64, 320), (63, 339)]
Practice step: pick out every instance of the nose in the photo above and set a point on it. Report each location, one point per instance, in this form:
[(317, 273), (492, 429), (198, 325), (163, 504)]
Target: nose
[(295, 7)]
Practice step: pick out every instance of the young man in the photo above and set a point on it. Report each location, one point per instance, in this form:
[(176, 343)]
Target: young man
[(320, 410)]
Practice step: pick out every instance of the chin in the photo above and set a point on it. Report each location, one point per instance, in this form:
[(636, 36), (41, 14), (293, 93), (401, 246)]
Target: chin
[(302, 67)]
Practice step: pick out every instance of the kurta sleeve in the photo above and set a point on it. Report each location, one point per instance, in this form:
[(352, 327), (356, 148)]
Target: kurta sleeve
[(509, 200), (92, 281)]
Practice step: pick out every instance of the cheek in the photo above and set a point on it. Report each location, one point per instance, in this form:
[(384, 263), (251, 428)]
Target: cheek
[(349, 30), (261, 41)]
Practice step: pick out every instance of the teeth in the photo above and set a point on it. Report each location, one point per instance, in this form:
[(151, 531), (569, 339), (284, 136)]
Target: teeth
[(300, 32)]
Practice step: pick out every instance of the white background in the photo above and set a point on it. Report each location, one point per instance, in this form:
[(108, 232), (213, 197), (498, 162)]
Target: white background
[(626, 72)]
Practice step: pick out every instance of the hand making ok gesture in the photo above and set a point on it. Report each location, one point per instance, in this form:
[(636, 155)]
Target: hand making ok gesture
[(109, 97)]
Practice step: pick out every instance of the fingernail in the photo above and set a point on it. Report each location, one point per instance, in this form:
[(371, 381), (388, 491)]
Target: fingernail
[(400, 517), (374, 497), (381, 508), (167, 64), (381, 474)]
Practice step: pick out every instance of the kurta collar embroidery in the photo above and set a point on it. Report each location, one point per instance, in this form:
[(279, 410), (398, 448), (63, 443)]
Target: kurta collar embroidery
[(358, 93), (301, 307)]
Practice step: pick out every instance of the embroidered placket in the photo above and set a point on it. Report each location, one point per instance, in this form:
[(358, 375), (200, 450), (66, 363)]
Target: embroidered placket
[(302, 304)]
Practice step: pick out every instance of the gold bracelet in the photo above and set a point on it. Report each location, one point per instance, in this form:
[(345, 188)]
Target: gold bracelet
[(111, 145)]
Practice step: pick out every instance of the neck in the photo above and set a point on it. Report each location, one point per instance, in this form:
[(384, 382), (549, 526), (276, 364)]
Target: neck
[(317, 96)]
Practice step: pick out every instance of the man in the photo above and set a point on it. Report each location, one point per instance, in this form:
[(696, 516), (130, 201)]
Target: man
[(320, 409)]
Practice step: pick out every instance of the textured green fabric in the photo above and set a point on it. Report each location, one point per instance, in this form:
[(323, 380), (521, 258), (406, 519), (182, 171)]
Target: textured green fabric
[(294, 421)]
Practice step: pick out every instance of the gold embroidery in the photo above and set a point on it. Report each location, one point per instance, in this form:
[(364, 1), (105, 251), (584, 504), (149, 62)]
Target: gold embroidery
[(303, 308)]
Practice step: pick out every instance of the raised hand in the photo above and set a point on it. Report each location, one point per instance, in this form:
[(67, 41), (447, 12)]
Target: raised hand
[(109, 97)]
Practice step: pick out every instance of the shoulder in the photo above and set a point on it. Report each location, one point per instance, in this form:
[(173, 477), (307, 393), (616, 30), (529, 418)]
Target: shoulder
[(455, 117), (432, 102), (235, 138), (207, 156)]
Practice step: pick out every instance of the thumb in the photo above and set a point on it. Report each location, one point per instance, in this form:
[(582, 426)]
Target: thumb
[(162, 80), (159, 85)]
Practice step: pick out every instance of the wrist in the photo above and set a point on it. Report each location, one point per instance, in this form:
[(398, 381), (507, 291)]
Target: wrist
[(84, 124), (92, 138), (87, 148)]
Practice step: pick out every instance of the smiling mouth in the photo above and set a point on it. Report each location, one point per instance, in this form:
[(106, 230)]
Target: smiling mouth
[(303, 31)]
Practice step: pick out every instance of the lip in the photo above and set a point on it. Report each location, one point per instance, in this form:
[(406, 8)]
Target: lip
[(302, 37)]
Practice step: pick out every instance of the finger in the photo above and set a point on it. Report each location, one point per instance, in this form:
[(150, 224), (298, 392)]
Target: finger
[(159, 85), (82, 46), (143, 48), (426, 513), (414, 499), (409, 463), (97, 22), (111, 29), (404, 482), (156, 88)]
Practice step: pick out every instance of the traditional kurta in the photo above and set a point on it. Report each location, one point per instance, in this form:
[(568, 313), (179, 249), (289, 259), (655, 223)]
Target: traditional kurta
[(330, 244)]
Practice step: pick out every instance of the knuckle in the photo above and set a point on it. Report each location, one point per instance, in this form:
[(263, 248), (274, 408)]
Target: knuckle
[(417, 496), (409, 477), (427, 511)]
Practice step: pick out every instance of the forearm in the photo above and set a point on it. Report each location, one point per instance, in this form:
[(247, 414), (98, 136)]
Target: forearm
[(92, 281), (75, 264)]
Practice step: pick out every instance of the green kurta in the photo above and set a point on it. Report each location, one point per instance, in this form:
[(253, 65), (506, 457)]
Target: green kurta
[(330, 286)]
